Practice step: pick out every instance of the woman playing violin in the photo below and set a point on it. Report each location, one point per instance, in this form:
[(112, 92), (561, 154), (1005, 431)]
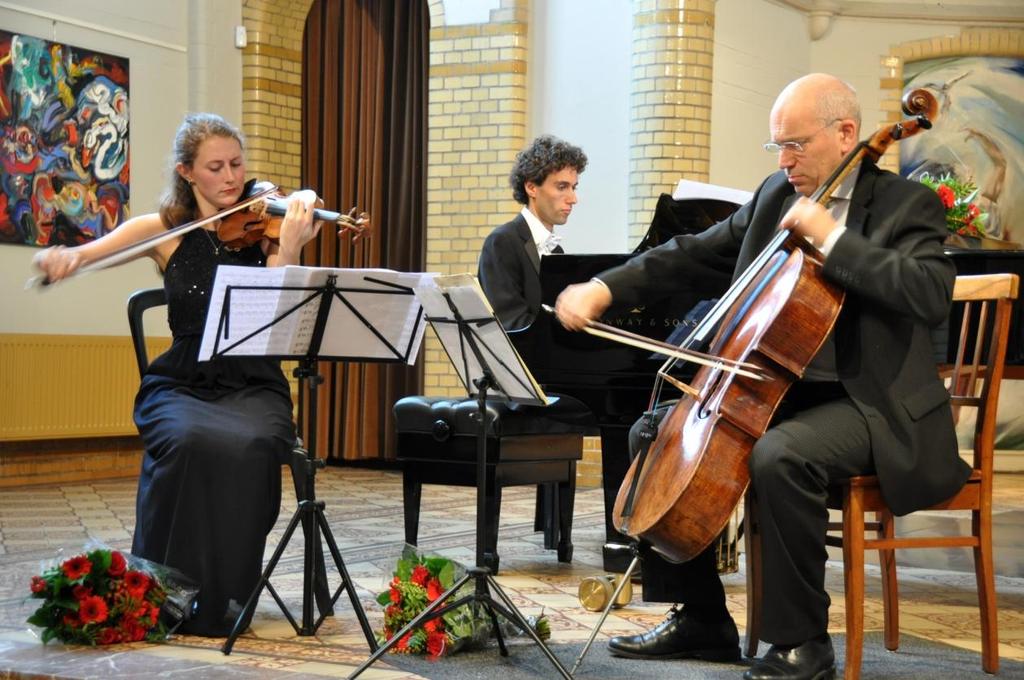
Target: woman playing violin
[(215, 433)]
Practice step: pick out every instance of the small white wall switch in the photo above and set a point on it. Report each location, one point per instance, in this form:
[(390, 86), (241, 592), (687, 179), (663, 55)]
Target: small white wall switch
[(241, 39)]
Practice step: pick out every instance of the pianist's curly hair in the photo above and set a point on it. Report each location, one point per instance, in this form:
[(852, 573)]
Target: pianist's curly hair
[(547, 154)]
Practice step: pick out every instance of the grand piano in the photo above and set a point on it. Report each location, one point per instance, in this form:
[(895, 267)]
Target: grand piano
[(615, 381), (1004, 258)]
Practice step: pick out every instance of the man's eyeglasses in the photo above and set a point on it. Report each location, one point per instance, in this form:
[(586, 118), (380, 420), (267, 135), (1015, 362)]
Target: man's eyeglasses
[(796, 146)]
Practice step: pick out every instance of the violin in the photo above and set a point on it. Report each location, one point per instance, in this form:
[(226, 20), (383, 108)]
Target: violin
[(262, 219), (256, 216)]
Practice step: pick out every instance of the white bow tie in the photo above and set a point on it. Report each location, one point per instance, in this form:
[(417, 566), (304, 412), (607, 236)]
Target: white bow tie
[(549, 245)]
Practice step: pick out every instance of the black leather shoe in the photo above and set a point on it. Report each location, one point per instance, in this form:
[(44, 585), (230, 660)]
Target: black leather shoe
[(681, 636), (813, 660)]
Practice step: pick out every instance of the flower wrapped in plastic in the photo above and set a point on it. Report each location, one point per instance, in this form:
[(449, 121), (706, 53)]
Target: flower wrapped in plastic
[(418, 581), (963, 216), (101, 596)]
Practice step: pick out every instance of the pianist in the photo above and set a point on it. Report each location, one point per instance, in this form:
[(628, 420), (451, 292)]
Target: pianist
[(544, 180), (872, 403)]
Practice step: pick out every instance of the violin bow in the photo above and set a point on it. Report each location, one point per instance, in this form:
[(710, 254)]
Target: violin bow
[(135, 249), (347, 221)]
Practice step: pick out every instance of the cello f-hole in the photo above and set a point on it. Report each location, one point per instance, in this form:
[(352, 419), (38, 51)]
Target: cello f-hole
[(704, 411)]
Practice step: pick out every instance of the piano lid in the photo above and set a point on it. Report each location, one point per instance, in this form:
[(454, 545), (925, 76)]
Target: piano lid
[(690, 215)]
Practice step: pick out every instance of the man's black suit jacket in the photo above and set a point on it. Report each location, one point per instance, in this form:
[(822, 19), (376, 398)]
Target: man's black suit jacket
[(509, 273), (898, 285)]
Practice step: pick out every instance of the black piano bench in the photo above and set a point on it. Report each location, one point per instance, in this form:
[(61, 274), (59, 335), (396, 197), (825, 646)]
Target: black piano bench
[(437, 444)]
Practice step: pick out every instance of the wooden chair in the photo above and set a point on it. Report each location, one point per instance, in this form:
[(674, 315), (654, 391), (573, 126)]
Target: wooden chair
[(984, 305)]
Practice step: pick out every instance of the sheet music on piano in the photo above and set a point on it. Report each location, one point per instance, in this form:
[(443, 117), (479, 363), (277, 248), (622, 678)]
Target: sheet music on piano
[(689, 190), (512, 378), (373, 316)]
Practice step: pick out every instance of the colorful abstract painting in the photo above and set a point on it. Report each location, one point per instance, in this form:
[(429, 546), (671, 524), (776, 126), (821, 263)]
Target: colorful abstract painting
[(978, 134), (63, 142)]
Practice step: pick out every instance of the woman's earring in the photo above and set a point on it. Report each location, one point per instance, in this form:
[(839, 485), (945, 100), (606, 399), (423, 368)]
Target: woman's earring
[(191, 182)]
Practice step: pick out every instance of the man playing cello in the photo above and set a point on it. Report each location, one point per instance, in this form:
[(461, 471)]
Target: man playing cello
[(870, 401)]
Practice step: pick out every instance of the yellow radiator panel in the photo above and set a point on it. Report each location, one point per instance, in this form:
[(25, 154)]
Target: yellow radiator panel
[(58, 386)]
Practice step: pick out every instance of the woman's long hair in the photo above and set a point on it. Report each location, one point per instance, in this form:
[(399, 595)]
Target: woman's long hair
[(178, 203)]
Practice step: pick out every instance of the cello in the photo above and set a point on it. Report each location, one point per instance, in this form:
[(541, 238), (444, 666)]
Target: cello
[(680, 491)]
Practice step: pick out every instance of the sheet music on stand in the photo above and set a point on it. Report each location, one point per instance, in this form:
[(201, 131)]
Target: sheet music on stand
[(272, 311), (512, 379), (485, 360)]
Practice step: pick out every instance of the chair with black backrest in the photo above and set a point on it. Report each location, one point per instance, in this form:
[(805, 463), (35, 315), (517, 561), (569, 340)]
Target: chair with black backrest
[(983, 304), (138, 303), (147, 298)]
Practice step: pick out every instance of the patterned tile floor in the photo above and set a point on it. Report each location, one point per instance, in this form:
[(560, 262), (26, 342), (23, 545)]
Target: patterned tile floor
[(364, 509)]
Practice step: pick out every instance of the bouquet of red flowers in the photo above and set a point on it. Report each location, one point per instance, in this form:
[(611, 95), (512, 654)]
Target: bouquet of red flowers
[(418, 581), (963, 216), (99, 597)]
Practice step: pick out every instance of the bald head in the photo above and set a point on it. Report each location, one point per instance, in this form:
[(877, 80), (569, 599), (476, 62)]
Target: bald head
[(815, 121), (822, 95)]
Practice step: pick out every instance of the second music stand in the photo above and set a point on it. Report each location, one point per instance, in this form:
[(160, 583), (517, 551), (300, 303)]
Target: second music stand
[(485, 360)]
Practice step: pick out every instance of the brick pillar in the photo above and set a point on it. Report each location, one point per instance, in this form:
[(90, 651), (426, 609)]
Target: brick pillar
[(477, 124), (272, 89), (670, 102)]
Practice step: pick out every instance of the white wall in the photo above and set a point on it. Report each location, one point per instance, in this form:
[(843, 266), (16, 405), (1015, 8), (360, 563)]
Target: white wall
[(579, 84), (752, 64), (461, 12), (155, 37), (869, 41), (579, 79)]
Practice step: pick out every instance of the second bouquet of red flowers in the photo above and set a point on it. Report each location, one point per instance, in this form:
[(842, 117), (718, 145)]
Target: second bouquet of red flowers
[(963, 216), (418, 581), (99, 597)]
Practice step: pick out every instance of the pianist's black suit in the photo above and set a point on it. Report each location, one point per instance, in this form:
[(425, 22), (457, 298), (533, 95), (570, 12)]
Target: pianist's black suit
[(896, 419), (509, 273)]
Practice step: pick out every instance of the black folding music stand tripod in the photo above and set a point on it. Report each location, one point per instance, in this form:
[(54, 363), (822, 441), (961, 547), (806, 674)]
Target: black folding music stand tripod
[(477, 365), (310, 512)]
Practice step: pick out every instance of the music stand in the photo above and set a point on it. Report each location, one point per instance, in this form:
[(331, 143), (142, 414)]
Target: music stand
[(485, 360), (288, 313)]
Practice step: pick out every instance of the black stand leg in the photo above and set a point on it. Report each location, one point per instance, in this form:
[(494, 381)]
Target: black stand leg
[(608, 606), (492, 511), (484, 583), (310, 513), (303, 490)]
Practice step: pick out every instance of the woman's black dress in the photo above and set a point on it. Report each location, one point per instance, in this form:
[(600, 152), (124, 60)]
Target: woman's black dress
[(216, 434)]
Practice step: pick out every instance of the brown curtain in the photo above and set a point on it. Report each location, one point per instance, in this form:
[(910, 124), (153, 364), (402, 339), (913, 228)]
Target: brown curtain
[(364, 127)]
